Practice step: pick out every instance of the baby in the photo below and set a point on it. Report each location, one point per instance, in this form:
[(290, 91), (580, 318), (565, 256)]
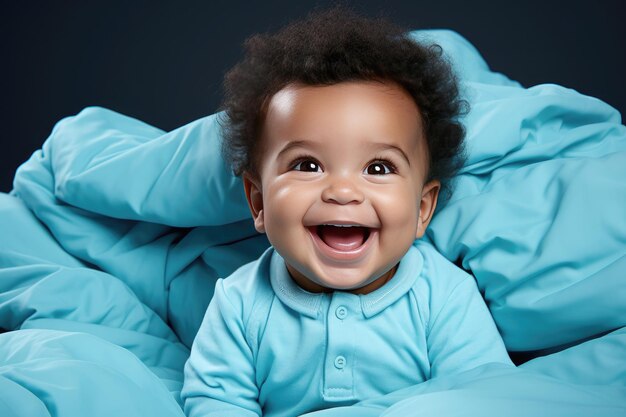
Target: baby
[(345, 131)]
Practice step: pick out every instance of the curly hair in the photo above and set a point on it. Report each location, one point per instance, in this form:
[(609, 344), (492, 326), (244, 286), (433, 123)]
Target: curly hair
[(337, 45)]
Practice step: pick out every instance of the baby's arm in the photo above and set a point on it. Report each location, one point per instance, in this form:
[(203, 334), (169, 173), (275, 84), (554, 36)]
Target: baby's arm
[(462, 334), (219, 375)]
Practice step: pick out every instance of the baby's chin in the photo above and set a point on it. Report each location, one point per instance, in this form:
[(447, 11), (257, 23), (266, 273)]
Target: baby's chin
[(342, 280)]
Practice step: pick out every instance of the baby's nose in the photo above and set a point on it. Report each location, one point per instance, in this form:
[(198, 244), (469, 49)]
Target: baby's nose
[(342, 191)]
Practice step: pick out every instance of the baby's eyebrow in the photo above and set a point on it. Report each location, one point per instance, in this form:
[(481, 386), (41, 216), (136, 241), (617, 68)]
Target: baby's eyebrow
[(296, 144), (389, 146)]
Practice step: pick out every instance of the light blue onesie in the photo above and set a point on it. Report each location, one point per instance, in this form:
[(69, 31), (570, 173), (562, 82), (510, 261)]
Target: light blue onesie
[(267, 347)]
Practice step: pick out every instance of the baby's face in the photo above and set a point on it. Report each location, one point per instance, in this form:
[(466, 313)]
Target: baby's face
[(341, 193)]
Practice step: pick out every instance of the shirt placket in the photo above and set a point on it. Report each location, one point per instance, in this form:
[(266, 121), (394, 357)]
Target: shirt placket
[(343, 313)]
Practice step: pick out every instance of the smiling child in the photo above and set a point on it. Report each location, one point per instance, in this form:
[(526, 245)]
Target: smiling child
[(344, 131)]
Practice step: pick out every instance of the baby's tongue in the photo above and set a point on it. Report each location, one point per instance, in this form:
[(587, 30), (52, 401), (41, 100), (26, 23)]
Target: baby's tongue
[(342, 238)]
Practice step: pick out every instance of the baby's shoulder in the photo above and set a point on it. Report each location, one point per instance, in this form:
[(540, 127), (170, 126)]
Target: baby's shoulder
[(247, 286), (439, 276)]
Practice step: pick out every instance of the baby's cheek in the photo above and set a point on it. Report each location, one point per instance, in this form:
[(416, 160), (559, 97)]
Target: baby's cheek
[(399, 217), (400, 221), (398, 207), (285, 205)]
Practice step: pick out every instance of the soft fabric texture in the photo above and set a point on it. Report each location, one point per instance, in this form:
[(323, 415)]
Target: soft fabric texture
[(291, 351), (116, 232)]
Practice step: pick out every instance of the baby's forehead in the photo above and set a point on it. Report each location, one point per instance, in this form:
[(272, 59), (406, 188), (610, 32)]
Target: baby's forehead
[(295, 92), (384, 107), (349, 118)]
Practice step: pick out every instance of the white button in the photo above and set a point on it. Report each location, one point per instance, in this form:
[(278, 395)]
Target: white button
[(340, 362), (341, 312)]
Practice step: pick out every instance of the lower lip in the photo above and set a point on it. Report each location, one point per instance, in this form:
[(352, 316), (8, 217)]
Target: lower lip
[(339, 255)]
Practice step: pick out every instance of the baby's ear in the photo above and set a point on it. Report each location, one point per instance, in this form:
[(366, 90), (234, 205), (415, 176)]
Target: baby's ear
[(430, 193), (254, 195)]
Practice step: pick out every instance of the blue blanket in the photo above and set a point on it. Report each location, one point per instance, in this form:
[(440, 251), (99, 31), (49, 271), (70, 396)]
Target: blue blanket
[(116, 231)]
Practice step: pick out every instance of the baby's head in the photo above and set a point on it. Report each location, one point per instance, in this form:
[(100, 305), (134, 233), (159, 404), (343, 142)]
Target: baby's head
[(344, 130)]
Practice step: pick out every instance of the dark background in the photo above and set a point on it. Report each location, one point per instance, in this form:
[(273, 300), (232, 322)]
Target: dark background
[(163, 62)]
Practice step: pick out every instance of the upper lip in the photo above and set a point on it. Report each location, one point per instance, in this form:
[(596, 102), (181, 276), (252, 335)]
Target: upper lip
[(341, 223)]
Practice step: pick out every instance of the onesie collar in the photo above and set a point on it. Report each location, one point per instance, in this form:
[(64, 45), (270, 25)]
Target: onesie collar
[(309, 304), (290, 293)]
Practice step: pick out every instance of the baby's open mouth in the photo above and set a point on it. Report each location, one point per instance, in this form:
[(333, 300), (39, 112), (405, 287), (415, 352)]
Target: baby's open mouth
[(342, 237)]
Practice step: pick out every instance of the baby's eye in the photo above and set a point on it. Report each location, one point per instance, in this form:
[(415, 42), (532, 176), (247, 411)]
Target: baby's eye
[(379, 168), (306, 165)]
